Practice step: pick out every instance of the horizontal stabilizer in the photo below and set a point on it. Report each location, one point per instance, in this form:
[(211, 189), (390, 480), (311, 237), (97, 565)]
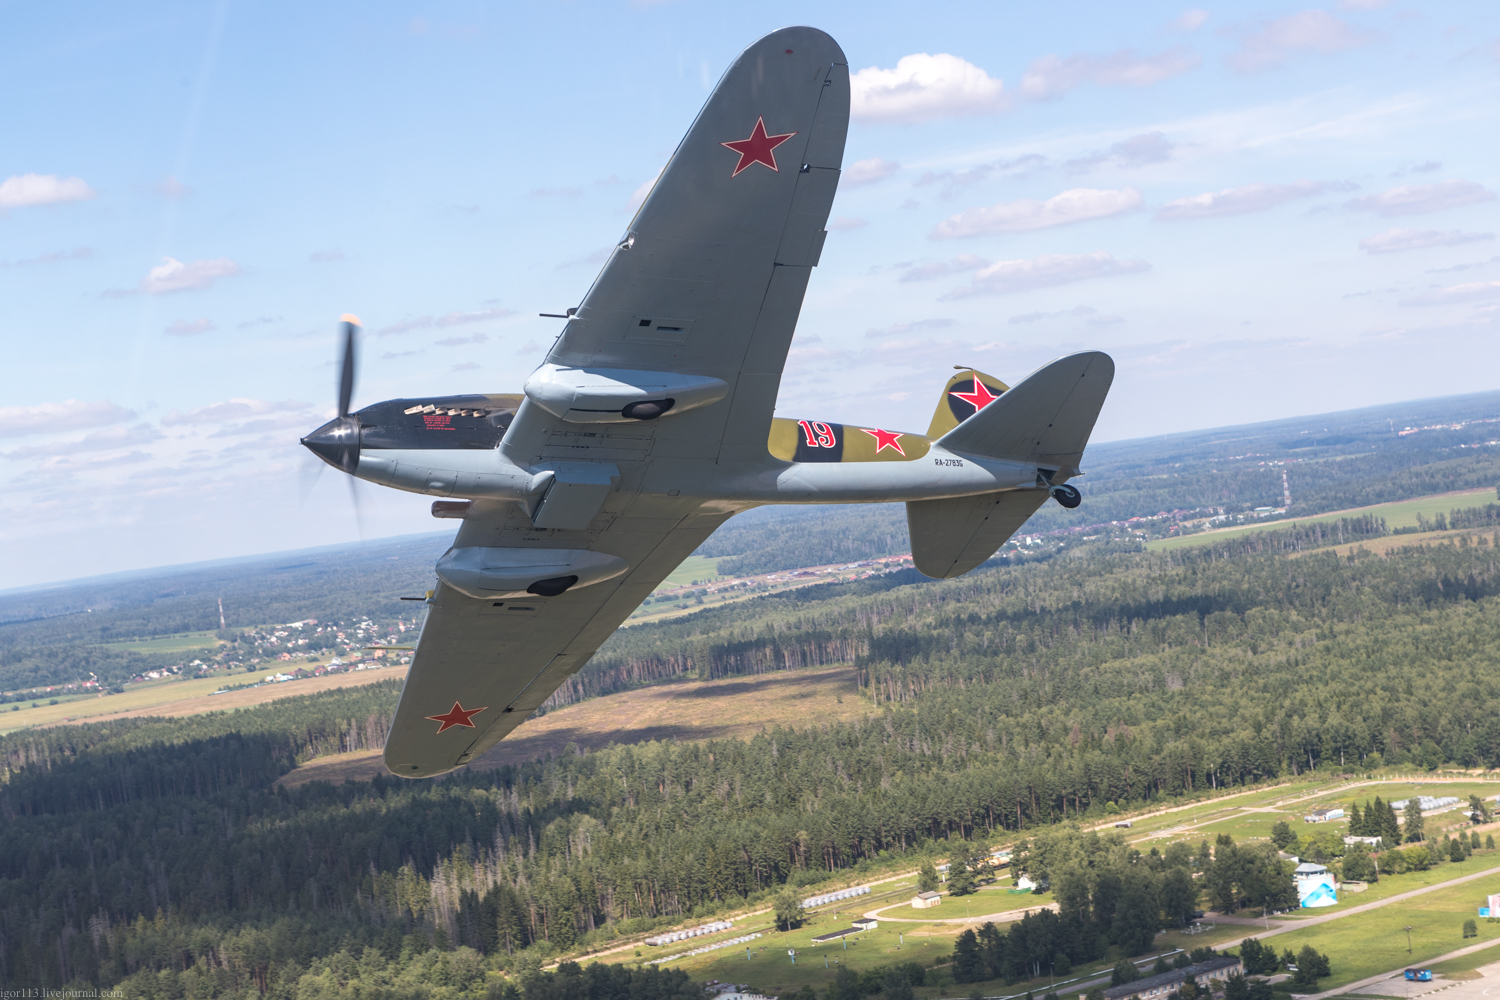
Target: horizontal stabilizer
[(1046, 419), (950, 537)]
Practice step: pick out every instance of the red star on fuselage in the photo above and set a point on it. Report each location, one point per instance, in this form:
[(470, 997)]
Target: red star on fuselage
[(884, 440), (456, 716), (978, 397), (758, 148)]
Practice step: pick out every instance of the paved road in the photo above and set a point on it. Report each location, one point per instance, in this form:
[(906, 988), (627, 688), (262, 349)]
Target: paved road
[(1486, 987)]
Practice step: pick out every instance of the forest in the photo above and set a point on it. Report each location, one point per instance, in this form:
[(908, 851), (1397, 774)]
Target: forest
[(161, 855)]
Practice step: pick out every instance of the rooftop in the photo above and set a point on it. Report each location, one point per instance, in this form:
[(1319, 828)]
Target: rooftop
[(1143, 986)]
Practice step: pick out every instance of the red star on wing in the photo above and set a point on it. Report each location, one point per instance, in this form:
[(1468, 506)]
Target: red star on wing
[(456, 716), (758, 148), (978, 397), (885, 439)]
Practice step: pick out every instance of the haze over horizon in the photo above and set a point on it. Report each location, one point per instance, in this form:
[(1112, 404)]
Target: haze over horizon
[(1259, 211)]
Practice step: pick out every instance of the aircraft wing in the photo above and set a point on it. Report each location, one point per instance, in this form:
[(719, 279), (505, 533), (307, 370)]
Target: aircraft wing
[(707, 284)]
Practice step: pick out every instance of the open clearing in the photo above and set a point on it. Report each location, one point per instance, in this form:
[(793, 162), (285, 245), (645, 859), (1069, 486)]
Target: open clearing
[(1398, 514), (179, 643), (679, 710), (175, 699)]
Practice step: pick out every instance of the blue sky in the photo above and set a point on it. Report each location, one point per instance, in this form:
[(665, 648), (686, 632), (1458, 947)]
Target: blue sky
[(1259, 210)]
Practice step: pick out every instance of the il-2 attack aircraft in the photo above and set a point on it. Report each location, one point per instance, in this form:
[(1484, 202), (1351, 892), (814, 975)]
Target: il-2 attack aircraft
[(651, 422)]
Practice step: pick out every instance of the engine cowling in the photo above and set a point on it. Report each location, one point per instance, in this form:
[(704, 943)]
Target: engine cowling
[(490, 573)]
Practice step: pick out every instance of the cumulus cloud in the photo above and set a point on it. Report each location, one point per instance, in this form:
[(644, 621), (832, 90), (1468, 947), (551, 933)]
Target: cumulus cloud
[(952, 180), (65, 464), (109, 439), (1473, 291), (186, 327), (81, 253), (172, 188), (69, 415), (1238, 201), (844, 223), (1051, 76), (1036, 317), (1076, 205), (25, 190), (924, 87), (1271, 43), (1191, 20), (867, 171), (239, 408), (446, 320), (1137, 151), (1398, 239), (1006, 277), (466, 366), (943, 268), (473, 338), (1416, 199), (902, 329), (172, 275)]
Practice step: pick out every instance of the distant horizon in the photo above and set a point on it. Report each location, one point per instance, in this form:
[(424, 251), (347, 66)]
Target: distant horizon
[(271, 554)]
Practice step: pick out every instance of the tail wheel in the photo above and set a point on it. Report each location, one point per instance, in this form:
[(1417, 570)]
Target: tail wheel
[(1067, 495)]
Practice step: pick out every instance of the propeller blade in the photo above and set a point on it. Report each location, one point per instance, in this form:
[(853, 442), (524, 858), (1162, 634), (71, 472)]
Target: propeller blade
[(308, 476), (359, 514), (346, 373)]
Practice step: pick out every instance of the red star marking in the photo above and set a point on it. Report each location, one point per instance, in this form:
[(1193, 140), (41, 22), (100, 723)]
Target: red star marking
[(758, 148), (884, 440), (979, 397), (456, 716)]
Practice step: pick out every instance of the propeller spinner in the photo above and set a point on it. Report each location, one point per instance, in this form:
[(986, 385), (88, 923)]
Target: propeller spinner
[(337, 442)]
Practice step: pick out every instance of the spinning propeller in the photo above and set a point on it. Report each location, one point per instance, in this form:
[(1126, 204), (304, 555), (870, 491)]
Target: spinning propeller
[(337, 442)]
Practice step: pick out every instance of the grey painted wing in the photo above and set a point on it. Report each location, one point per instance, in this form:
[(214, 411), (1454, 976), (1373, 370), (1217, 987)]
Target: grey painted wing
[(504, 658), (711, 274)]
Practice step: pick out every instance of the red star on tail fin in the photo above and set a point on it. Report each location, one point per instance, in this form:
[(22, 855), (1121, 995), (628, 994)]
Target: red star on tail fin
[(456, 716), (758, 148), (979, 397)]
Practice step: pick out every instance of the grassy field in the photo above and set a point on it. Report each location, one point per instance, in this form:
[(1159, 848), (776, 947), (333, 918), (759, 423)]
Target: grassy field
[(1370, 943), (1401, 514), (681, 710), (185, 697), (180, 643), (700, 568)]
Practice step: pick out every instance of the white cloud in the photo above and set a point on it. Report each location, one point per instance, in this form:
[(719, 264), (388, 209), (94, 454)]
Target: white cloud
[(466, 366), (448, 319), (1008, 276), (1052, 76), (172, 188), (1137, 151), (844, 223), (172, 275), (81, 253), (109, 439), (1192, 20), (1076, 205), (1036, 317), (326, 256), (942, 268), (867, 171), (1474, 291), (1394, 240), (25, 190), (184, 327), (1238, 201), (65, 464), (232, 409), (901, 329), (1271, 43), (952, 180), (50, 418), (473, 338), (1415, 199), (924, 87)]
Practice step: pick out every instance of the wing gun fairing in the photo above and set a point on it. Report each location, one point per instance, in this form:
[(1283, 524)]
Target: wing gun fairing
[(651, 421)]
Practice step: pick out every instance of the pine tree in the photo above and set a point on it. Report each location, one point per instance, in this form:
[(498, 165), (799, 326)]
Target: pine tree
[(1414, 820), (1356, 822)]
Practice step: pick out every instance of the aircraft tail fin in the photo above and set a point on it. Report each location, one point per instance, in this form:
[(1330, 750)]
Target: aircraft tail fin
[(954, 406), (1047, 418)]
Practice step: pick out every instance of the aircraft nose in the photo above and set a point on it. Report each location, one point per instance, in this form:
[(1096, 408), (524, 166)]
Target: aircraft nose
[(337, 443)]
